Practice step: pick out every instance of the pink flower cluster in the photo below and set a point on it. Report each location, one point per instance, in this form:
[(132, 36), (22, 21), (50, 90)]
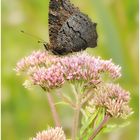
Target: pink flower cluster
[(85, 67), (51, 134), (50, 71), (37, 58), (48, 78), (113, 98)]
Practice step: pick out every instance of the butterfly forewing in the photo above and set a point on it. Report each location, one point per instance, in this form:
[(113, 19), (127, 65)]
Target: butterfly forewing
[(69, 29), (59, 12)]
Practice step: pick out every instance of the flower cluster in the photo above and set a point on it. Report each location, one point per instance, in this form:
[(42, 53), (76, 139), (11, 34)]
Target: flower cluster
[(50, 71), (37, 58), (51, 134), (113, 98), (84, 66)]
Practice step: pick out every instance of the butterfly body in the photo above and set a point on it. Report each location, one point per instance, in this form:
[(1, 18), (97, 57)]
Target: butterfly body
[(69, 29)]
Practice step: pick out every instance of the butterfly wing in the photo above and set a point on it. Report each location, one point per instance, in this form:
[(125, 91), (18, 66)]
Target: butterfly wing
[(59, 12), (77, 33)]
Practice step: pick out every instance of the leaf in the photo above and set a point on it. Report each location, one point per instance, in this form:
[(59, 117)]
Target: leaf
[(108, 128), (124, 124), (88, 133), (85, 117), (99, 118), (88, 122), (61, 103)]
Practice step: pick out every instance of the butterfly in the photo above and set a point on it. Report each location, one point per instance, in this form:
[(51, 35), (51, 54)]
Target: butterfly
[(70, 30)]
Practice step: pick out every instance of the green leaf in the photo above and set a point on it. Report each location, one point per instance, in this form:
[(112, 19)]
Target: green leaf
[(108, 128), (88, 122), (99, 118), (61, 103), (84, 117), (87, 135), (124, 124)]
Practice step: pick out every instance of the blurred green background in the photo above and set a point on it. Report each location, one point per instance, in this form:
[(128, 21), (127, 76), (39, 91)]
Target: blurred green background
[(25, 112)]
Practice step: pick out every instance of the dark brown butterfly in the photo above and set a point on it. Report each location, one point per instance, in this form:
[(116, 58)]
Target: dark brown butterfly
[(69, 29)]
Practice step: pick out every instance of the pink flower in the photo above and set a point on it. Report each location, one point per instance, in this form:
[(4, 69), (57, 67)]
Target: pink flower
[(85, 67), (37, 58), (49, 78), (113, 98), (51, 134)]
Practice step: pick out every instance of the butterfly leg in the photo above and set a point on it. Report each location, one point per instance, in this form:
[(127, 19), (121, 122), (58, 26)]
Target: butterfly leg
[(46, 46)]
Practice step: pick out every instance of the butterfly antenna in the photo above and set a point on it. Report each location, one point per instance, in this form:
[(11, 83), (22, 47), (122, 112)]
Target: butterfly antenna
[(33, 36)]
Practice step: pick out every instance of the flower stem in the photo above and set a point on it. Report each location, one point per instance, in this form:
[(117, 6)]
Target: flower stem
[(76, 113), (53, 110), (66, 100), (75, 123), (99, 128)]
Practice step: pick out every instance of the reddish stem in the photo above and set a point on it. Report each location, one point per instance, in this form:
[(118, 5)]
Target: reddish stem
[(99, 128), (75, 123), (53, 110)]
